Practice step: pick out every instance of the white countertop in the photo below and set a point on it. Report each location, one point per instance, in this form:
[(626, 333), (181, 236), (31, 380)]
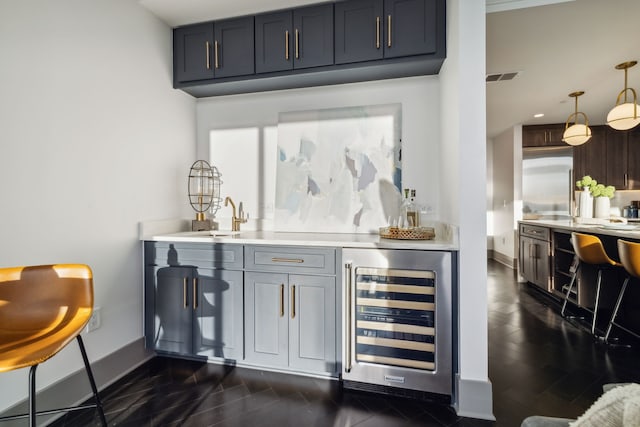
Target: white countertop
[(605, 229), (446, 238)]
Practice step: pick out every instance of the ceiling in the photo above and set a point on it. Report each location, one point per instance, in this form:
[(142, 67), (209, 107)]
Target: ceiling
[(557, 48)]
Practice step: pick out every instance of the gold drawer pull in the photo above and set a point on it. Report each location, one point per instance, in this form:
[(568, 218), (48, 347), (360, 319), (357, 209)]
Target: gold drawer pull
[(282, 300), (377, 32), (293, 301), (294, 260), (389, 31), (195, 293), (184, 292), (286, 45)]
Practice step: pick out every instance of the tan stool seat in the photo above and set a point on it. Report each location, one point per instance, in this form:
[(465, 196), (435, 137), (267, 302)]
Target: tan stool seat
[(42, 309), (630, 257), (589, 250)]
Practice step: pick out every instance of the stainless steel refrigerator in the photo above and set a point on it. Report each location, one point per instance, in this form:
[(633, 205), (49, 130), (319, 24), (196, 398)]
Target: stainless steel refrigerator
[(547, 182)]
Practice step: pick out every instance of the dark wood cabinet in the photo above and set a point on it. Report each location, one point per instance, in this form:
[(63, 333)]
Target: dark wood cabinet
[(623, 159), (374, 29), (192, 53), (542, 135), (213, 50), (294, 39), (590, 158)]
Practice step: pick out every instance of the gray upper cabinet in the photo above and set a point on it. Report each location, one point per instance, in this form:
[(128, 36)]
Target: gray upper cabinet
[(360, 31), (411, 27), (313, 36), (213, 50), (316, 45), (192, 53), (374, 29), (233, 47), (294, 39)]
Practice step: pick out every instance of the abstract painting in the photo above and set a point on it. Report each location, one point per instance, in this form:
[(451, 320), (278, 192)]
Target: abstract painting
[(338, 170)]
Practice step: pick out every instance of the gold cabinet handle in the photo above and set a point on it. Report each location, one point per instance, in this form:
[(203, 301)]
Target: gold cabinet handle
[(389, 31), (286, 45), (195, 293), (377, 32), (184, 292), (282, 300), (294, 260), (215, 55), (293, 301), (207, 47), (297, 44), (347, 321)]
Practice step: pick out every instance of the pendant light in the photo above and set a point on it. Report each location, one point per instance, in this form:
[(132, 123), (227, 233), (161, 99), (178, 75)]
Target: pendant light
[(624, 115), (576, 134)]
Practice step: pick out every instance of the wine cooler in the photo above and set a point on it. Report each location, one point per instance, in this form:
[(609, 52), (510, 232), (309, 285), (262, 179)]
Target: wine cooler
[(397, 320)]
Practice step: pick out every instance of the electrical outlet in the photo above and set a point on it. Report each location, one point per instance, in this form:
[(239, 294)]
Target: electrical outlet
[(94, 321)]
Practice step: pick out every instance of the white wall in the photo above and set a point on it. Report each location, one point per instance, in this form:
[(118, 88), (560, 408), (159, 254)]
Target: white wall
[(419, 96), (464, 196), (93, 139), (505, 155)]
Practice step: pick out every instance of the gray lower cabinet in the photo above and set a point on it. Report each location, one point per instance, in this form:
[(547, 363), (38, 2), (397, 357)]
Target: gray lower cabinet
[(290, 321), (193, 307)]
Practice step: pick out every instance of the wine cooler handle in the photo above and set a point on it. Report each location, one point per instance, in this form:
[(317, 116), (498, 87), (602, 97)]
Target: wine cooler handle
[(347, 270)]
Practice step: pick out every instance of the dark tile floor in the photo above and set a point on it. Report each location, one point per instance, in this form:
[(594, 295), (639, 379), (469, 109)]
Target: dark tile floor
[(539, 363)]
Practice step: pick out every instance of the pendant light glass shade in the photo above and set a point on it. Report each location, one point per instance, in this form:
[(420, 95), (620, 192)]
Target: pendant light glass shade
[(576, 134), (624, 115)]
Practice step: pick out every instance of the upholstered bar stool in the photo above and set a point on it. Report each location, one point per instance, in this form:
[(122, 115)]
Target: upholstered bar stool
[(630, 258), (589, 250)]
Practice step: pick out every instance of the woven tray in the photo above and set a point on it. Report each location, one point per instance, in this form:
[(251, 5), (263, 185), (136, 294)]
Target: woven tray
[(415, 233)]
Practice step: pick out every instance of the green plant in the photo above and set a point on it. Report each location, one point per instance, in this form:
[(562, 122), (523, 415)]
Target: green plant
[(596, 190)]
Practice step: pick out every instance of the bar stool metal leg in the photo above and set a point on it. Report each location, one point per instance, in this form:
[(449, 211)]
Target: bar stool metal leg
[(92, 381), (566, 297), (595, 308), (32, 396), (615, 310)]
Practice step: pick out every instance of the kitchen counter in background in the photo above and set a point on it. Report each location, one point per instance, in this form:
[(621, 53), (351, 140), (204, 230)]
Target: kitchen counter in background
[(604, 229), (175, 231), (546, 256)]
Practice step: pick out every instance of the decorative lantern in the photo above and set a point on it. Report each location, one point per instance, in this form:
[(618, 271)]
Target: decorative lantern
[(204, 193)]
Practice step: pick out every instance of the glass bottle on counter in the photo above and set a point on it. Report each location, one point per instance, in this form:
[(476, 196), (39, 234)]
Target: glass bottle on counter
[(404, 208), (413, 216)]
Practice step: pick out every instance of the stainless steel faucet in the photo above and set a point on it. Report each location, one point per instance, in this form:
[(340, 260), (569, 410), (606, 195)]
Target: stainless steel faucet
[(235, 220)]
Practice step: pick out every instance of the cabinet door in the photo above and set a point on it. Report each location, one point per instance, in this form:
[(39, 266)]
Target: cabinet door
[(233, 47), (616, 158), (313, 36), (266, 321), (410, 27), (173, 310), (540, 261), (590, 158), (633, 159), (525, 259), (192, 50), (218, 306), (274, 42), (359, 31), (312, 337)]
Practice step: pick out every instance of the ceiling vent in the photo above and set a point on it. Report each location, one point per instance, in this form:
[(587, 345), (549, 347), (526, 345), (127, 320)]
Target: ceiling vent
[(500, 77)]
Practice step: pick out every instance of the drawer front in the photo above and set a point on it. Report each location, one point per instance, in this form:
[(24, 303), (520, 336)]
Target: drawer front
[(200, 255), (290, 258), (534, 231)]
